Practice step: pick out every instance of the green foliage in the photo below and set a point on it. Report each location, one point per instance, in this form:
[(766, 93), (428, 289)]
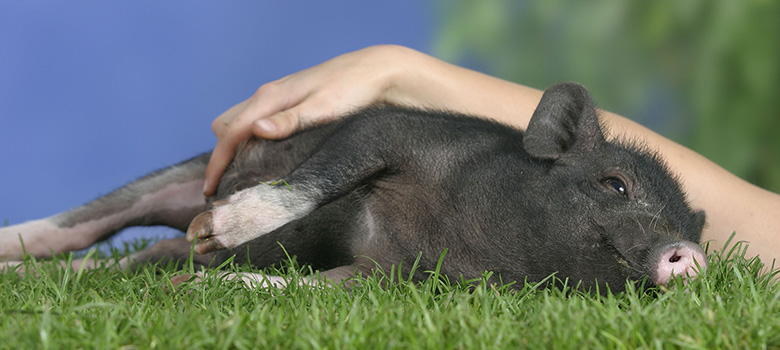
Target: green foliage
[(703, 72), (733, 306)]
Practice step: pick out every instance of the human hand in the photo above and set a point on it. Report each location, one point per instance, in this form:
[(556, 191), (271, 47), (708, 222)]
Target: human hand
[(315, 95)]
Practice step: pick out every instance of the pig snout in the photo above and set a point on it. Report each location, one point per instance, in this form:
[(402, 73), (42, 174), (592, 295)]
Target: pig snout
[(677, 259)]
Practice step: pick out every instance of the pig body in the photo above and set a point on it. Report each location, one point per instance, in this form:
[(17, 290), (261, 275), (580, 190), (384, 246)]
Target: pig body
[(389, 185)]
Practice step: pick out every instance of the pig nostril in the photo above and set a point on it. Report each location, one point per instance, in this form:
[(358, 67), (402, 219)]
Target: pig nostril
[(675, 258)]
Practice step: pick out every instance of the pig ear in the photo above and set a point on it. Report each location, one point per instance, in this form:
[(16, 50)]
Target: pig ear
[(565, 120)]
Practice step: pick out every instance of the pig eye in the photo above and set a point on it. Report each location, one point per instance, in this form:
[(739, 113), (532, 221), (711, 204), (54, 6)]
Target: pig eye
[(615, 184)]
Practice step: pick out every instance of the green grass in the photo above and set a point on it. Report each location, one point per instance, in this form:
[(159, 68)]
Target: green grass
[(734, 306)]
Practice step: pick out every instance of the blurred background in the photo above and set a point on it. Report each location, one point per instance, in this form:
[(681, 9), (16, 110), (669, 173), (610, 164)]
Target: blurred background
[(94, 94), (705, 73)]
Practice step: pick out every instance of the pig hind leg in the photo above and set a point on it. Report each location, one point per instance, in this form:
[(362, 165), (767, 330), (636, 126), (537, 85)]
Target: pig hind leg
[(170, 197), (257, 280)]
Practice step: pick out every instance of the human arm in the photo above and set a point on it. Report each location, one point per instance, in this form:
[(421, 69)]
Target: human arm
[(404, 76)]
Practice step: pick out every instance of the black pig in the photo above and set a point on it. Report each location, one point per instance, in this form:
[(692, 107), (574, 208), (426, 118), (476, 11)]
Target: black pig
[(388, 184)]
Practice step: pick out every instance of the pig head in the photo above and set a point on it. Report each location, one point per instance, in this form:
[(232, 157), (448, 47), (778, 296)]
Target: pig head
[(611, 210)]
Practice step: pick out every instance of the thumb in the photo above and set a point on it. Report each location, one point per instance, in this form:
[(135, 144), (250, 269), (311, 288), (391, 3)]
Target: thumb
[(279, 125)]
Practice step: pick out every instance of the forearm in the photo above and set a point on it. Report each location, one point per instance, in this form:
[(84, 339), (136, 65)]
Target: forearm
[(422, 80)]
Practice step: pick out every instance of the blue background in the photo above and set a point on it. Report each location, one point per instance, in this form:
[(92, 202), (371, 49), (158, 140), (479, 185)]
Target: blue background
[(94, 94)]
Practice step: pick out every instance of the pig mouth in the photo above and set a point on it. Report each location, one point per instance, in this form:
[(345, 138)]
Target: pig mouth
[(632, 271)]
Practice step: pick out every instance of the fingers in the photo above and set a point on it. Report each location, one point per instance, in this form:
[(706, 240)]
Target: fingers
[(221, 156), (220, 123), (231, 128), (230, 131), (280, 108), (242, 127), (278, 126)]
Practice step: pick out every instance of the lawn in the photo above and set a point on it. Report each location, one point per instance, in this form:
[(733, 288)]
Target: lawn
[(733, 306)]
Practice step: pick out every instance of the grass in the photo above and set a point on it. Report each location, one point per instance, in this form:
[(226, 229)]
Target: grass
[(734, 306)]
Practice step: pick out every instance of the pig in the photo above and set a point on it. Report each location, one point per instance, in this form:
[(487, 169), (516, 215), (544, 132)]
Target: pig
[(390, 185)]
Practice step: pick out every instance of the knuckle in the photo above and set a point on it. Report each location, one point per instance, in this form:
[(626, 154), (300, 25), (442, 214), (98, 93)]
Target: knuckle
[(267, 89), (285, 119), (216, 126)]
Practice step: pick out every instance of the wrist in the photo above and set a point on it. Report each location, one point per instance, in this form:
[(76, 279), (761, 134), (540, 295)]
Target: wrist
[(413, 78), (402, 71)]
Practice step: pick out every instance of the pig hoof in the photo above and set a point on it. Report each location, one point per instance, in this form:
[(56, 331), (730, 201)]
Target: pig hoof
[(181, 281), (202, 228), (228, 224), (243, 216), (176, 281)]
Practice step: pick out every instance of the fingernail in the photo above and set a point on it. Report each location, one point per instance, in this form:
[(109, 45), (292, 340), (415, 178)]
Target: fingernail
[(265, 125), (205, 186)]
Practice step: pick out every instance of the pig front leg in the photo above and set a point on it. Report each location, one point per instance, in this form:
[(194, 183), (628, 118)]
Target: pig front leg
[(342, 163), (249, 214)]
